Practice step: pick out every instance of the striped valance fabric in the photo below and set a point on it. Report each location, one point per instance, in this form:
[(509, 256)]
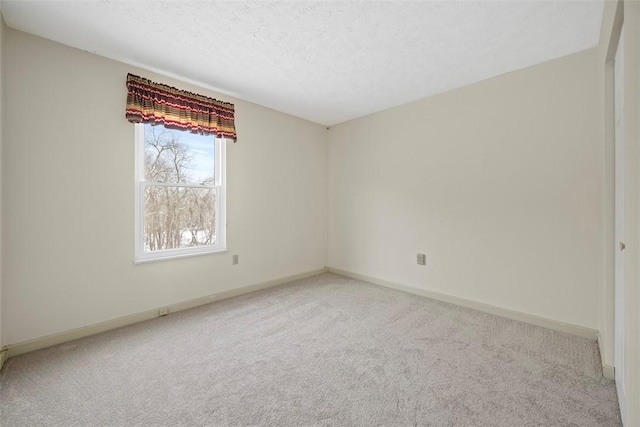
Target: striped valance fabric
[(156, 103)]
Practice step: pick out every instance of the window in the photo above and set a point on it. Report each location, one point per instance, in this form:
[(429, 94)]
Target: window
[(180, 193)]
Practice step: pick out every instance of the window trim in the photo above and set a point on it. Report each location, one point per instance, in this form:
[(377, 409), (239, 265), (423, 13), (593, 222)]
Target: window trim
[(221, 209)]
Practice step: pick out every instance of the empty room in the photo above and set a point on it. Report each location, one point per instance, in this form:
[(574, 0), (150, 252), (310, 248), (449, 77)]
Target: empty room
[(320, 213)]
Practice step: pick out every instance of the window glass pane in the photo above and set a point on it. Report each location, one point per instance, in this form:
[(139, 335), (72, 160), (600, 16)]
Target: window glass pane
[(173, 156), (178, 217)]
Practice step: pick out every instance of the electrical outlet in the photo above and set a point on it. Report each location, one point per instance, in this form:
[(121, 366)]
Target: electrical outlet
[(163, 311), (422, 259), (235, 260)]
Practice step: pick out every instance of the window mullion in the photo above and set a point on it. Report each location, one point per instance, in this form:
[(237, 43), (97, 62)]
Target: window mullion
[(177, 184)]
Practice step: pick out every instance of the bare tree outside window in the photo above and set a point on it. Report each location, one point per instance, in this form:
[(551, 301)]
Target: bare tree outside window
[(179, 191)]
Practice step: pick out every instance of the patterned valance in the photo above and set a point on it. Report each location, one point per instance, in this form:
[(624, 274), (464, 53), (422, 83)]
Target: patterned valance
[(156, 103)]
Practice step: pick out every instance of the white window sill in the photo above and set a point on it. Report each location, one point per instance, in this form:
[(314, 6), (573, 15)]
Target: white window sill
[(159, 256)]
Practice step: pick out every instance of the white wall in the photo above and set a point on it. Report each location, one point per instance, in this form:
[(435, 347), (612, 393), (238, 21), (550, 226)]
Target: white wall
[(68, 197), (499, 183)]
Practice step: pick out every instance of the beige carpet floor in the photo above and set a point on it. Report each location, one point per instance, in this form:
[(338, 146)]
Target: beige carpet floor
[(323, 351)]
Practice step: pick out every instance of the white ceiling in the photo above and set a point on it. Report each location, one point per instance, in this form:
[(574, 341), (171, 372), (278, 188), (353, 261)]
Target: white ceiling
[(325, 61)]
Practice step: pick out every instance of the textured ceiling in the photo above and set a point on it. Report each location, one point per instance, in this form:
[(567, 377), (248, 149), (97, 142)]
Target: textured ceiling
[(325, 61)]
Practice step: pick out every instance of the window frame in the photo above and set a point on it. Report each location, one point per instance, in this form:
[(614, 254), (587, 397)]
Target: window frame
[(220, 169)]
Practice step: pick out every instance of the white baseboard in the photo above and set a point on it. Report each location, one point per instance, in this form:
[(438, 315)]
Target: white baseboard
[(608, 371), (48, 341), (3, 357), (43, 342), (499, 311)]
